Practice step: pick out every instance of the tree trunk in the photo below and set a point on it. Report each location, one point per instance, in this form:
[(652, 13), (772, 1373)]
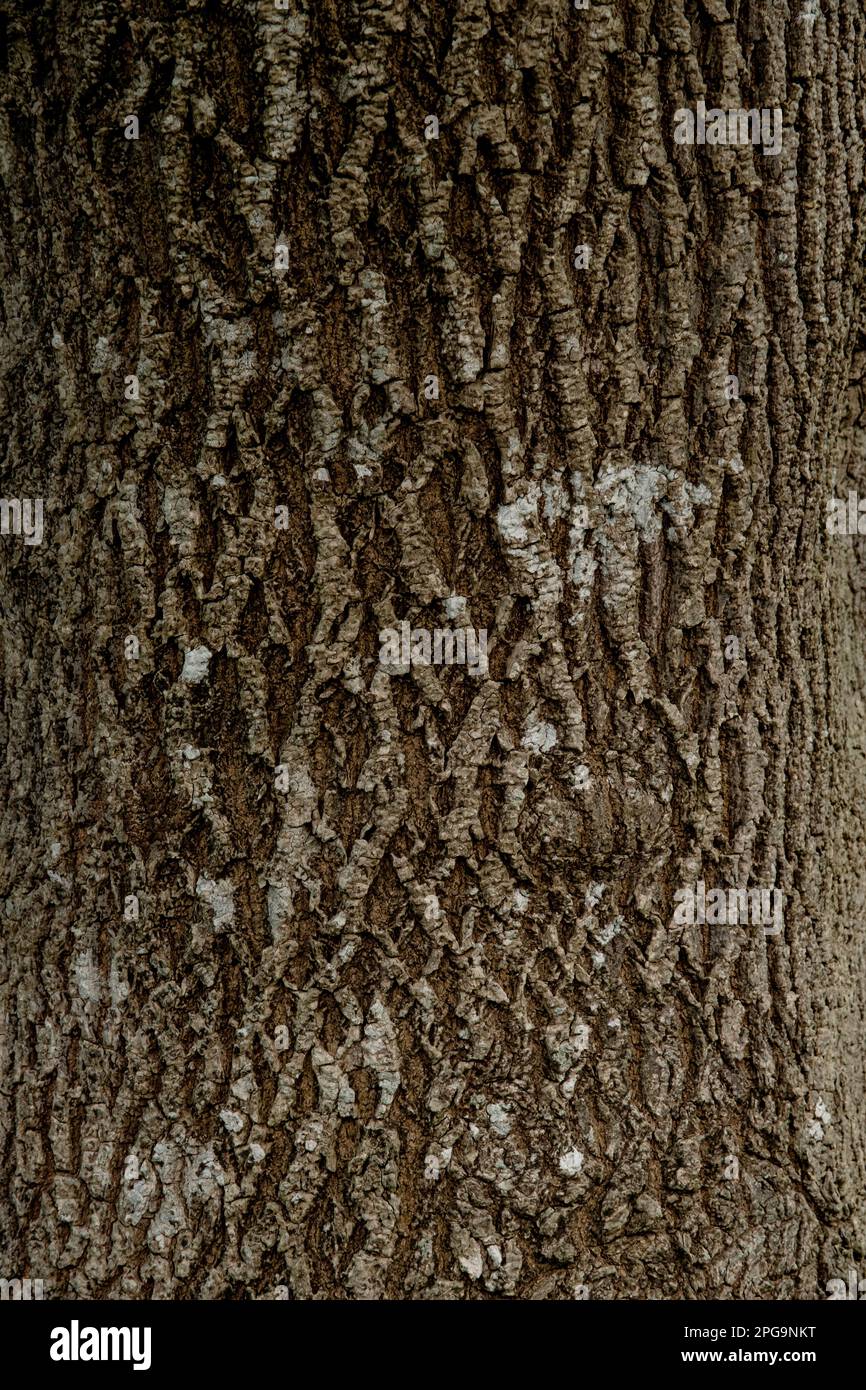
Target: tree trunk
[(331, 975)]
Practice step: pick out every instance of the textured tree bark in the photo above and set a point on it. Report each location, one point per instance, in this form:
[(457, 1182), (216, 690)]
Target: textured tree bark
[(321, 979)]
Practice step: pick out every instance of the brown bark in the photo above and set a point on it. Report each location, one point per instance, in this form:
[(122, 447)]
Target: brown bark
[(411, 1017)]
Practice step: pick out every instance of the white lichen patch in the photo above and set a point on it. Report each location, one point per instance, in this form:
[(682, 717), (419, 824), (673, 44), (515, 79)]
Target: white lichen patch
[(500, 1120), (219, 896), (512, 518), (540, 737), (469, 1254), (195, 665), (594, 894), (571, 1163), (435, 1164), (816, 1127), (556, 499), (631, 491)]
